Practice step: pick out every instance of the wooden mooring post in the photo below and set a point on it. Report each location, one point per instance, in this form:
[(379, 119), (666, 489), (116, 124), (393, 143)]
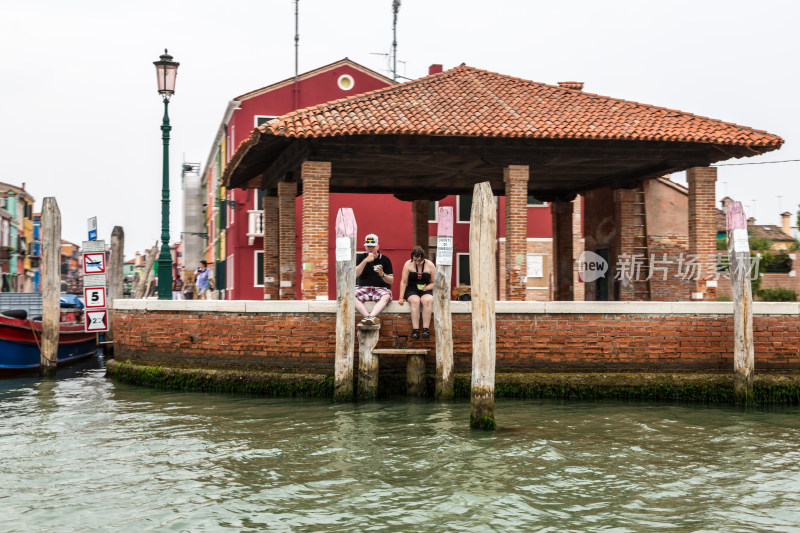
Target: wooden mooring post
[(115, 276), (483, 290), (368, 362), (442, 320), (739, 254), (141, 287), (346, 229), (51, 284)]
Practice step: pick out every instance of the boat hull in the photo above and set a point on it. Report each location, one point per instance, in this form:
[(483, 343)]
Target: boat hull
[(20, 341)]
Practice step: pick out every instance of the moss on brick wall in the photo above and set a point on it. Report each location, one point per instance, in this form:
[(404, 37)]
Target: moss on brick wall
[(688, 387), (198, 380)]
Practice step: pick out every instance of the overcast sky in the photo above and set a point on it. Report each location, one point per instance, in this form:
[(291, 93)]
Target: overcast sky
[(81, 116)]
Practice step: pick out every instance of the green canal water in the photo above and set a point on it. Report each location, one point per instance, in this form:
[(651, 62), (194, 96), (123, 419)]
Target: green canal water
[(82, 453)]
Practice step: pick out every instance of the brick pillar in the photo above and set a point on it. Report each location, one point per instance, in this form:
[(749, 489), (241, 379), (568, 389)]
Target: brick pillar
[(624, 214), (703, 229), (271, 248), (516, 180), (316, 177), (562, 251), (287, 244), (577, 248), (420, 210)]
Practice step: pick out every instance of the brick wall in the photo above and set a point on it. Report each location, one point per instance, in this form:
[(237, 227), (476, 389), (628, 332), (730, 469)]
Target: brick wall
[(768, 281), (563, 248), (702, 226), (516, 218), (666, 251), (420, 211), (316, 178), (287, 192), (526, 341), (579, 288), (542, 247), (271, 248)]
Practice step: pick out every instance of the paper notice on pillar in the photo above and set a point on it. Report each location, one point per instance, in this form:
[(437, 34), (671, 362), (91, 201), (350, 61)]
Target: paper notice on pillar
[(740, 240), (535, 266), (94, 280), (444, 251), (344, 249)]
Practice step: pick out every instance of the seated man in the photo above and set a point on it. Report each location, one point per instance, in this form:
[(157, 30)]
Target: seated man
[(373, 281)]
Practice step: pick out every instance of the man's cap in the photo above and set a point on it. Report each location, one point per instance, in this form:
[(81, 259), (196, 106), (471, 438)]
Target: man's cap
[(371, 240)]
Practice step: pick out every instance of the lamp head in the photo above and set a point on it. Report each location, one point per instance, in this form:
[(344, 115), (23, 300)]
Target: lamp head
[(166, 71)]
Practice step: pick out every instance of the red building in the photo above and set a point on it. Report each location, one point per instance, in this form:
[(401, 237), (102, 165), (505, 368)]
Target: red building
[(234, 219)]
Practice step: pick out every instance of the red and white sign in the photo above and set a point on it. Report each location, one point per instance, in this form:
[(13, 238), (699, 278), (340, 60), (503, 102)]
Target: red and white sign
[(94, 263), (94, 297), (97, 321)]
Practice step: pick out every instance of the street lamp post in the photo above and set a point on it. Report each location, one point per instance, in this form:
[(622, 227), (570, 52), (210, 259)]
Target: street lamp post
[(166, 71)]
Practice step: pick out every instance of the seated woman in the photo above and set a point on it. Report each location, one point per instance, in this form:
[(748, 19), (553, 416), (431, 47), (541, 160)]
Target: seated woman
[(416, 286)]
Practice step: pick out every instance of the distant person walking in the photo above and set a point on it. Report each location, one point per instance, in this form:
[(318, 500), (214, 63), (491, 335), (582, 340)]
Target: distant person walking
[(202, 280), (188, 285), (177, 288)]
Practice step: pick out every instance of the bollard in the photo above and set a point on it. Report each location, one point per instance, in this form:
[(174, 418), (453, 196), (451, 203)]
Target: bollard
[(368, 361)]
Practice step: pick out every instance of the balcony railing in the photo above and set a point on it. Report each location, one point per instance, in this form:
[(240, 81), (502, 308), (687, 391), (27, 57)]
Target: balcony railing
[(255, 225)]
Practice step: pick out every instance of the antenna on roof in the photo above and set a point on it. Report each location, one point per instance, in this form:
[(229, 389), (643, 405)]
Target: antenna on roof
[(296, 88), (395, 9)]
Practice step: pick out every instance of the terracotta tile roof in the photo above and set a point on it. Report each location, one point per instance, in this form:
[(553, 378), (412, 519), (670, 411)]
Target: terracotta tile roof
[(466, 101), (766, 231)]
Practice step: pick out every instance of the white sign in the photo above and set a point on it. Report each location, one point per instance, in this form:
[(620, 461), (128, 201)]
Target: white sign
[(444, 251), (94, 263), (94, 280), (740, 241), (93, 229), (97, 321), (94, 246), (535, 266), (344, 250), (94, 297)]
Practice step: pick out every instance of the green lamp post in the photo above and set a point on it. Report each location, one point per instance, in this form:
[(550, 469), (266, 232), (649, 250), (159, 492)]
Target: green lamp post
[(166, 71)]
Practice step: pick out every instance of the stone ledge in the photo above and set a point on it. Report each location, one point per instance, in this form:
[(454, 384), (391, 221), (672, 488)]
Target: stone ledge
[(458, 307)]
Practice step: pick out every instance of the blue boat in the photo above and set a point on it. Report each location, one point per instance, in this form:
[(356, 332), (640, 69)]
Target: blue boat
[(21, 338)]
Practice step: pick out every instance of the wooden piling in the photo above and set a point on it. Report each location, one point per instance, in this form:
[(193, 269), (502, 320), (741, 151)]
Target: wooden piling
[(739, 254), (483, 289), (115, 276), (442, 320), (51, 283), (346, 229), (141, 287), (368, 363), (415, 374)]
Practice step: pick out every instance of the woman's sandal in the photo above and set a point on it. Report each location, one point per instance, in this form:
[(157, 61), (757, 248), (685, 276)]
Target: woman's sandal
[(415, 334), (426, 333)]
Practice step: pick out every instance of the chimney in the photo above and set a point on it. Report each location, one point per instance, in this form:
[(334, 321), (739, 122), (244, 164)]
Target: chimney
[(434, 69), (786, 223), (574, 85)]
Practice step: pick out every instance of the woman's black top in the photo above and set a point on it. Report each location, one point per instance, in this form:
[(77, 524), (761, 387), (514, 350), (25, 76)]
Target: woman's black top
[(416, 283)]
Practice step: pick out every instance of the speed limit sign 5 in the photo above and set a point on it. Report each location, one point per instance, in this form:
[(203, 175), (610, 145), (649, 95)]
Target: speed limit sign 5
[(94, 297)]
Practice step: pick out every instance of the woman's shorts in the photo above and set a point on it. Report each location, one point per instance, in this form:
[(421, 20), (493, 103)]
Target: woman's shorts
[(413, 291)]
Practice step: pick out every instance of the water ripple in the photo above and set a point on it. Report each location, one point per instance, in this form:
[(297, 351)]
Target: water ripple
[(83, 452)]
